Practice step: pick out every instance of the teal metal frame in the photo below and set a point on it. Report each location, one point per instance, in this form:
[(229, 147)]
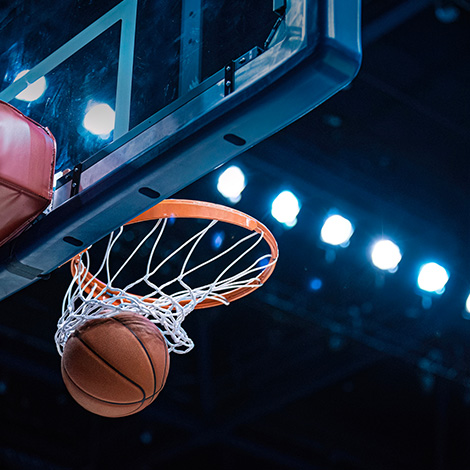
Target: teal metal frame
[(315, 53)]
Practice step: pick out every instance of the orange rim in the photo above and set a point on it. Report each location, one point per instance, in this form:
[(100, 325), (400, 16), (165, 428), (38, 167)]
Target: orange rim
[(188, 209)]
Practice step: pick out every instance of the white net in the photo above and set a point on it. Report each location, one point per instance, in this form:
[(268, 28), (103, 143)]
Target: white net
[(166, 303)]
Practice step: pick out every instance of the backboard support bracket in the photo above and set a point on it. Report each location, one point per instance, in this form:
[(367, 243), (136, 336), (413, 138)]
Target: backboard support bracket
[(234, 65), (76, 176), (229, 80)]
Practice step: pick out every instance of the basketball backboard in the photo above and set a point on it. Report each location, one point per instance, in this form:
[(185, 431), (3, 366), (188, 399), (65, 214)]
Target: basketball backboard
[(186, 85)]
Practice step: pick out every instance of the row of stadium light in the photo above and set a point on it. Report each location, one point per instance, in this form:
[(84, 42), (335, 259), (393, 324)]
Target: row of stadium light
[(337, 231)]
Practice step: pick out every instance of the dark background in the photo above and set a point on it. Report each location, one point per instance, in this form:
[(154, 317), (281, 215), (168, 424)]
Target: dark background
[(356, 375)]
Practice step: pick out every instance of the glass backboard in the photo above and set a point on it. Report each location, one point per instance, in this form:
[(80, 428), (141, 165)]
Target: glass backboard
[(146, 97)]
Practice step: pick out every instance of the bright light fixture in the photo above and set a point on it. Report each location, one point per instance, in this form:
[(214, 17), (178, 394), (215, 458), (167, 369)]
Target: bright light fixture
[(467, 304), (231, 183), (386, 255), (99, 119), (432, 278), (336, 230), (34, 91), (285, 208)]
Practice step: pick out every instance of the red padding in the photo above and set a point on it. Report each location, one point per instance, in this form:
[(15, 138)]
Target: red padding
[(27, 162)]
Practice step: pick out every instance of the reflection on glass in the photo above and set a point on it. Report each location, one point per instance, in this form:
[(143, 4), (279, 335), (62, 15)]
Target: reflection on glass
[(99, 119), (34, 91)]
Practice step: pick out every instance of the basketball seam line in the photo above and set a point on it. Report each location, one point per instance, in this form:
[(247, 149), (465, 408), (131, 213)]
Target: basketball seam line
[(146, 352), (165, 368), (144, 348), (105, 401), (111, 366)]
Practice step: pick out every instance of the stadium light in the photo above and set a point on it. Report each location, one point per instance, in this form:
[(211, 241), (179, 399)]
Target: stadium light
[(432, 278), (231, 183), (386, 255), (336, 230), (285, 208)]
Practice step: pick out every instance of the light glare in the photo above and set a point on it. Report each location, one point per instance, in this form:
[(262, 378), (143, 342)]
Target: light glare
[(336, 230), (285, 208), (231, 183), (386, 255), (217, 240), (99, 119), (432, 278), (316, 284), (467, 304), (34, 91)]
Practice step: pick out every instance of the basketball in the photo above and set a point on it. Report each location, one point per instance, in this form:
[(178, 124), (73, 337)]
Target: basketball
[(115, 366)]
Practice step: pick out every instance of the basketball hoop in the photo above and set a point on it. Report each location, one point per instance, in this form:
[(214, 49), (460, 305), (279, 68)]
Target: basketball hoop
[(88, 297)]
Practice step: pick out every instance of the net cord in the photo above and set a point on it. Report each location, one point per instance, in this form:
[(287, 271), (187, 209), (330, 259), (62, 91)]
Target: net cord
[(167, 311)]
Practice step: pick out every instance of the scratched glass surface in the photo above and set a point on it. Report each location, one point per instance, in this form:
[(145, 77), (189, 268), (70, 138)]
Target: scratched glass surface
[(89, 76)]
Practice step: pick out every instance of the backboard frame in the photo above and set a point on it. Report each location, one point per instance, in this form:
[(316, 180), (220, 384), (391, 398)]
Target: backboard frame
[(317, 53)]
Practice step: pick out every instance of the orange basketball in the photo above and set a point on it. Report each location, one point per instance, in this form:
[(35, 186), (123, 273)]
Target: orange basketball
[(115, 366)]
